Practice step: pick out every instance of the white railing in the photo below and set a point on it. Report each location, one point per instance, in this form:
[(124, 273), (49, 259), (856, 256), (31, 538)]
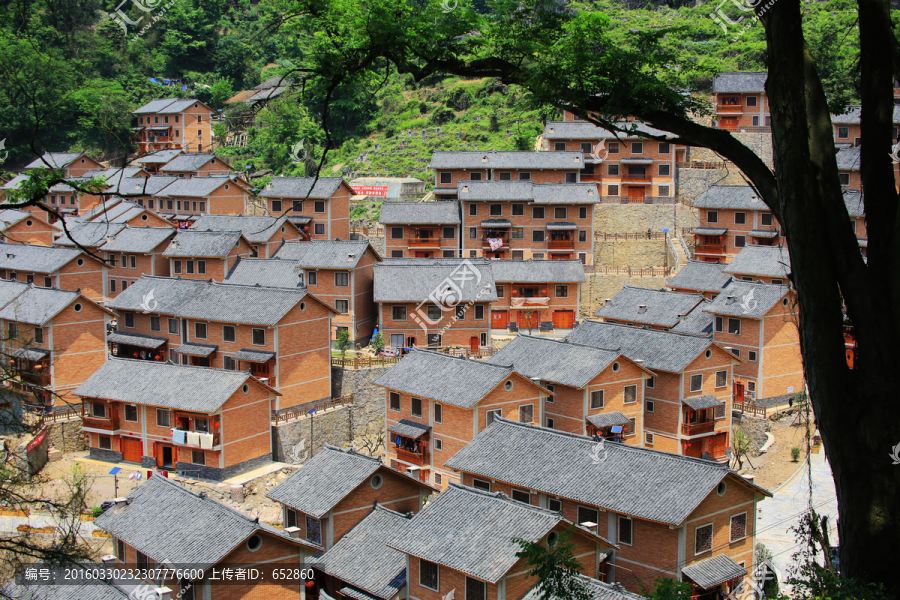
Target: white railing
[(674, 252)]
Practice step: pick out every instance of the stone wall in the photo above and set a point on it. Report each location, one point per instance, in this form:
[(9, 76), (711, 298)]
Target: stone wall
[(66, 436), (755, 427), (637, 254), (631, 218), (693, 182), (599, 287), (759, 143)]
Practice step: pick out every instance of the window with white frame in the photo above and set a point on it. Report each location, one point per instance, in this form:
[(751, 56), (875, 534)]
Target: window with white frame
[(721, 379), (438, 413), (163, 418), (313, 530), (394, 401), (738, 527), (526, 413), (630, 394), (523, 496), (703, 538), (696, 383), (416, 407), (588, 515), (597, 399), (734, 326), (480, 484), (490, 415)]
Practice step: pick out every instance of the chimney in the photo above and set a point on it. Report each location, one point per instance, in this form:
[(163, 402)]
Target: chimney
[(120, 502), (642, 308), (163, 593), (729, 300), (294, 532), (108, 559), (607, 300)]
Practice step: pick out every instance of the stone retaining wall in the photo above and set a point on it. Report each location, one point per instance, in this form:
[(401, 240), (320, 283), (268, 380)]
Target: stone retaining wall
[(631, 218), (66, 436), (637, 254)]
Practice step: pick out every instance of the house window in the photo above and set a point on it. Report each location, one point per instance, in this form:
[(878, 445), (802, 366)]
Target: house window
[(524, 176), (637, 147), (449, 233), (438, 413), (588, 515), (313, 530), (518, 233), (765, 219), (312, 278), (518, 210), (105, 442), (751, 356), (155, 325), (537, 235), (712, 216), (495, 210), (664, 147), (559, 146), (124, 285), (176, 267), (319, 228), (13, 329), (613, 190), (230, 364), (612, 169), (473, 209), (625, 531), (133, 260), (554, 504), (720, 324), (505, 176), (597, 399), (173, 326), (474, 176), (650, 405), (259, 337), (559, 212), (537, 212), (396, 253), (754, 121), (630, 394), (189, 267), (703, 536), (129, 320), (140, 558), (740, 241), (736, 352), (751, 386), (131, 413), (844, 178), (416, 407), (38, 335), (562, 291), (163, 418), (200, 331), (738, 527), (319, 206), (479, 312), (651, 383), (290, 518), (342, 279), (229, 333), (664, 169), (480, 484), (198, 457), (740, 218), (613, 147), (843, 133), (473, 233), (438, 445), (201, 267), (276, 206), (394, 400), (751, 101), (490, 415), (297, 206), (582, 236), (734, 326), (446, 177), (428, 575), (696, 383), (501, 291), (120, 548), (433, 312), (398, 313), (516, 254), (526, 413), (521, 496), (201, 425), (721, 379)]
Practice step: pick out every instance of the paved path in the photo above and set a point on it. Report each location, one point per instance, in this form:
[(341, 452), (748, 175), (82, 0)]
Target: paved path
[(781, 512)]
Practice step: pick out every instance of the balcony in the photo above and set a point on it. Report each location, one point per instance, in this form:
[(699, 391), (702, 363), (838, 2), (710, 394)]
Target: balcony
[(690, 429), (487, 245), (730, 107), (709, 249), (216, 441), (109, 424), (434, 242), (561, 244), (415, 458)]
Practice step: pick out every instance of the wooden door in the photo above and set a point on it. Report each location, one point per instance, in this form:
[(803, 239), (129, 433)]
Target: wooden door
[(717, 445), (131, 450), (499, 319), (636, 193), (474, 343), (728, 123), (563, 319), (693, 448)]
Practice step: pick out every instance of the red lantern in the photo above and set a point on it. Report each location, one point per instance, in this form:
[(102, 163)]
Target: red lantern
[(136, 355), (158, 357)]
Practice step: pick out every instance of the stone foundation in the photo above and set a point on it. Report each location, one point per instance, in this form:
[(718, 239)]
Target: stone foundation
[(66, 436), (633, 218), (148, 462), (637, 254), (105, 455)]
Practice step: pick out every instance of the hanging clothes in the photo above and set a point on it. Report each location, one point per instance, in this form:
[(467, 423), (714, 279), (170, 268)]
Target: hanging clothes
[(178, 436), (206, 441), (193, 438)]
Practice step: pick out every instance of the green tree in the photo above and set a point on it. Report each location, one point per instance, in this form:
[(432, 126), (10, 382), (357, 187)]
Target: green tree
[(377, 342), (555, 567), (342, 343)]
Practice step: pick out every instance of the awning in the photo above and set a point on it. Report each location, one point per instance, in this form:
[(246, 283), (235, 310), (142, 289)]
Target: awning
[(714, 571), (256, 356), (299, 219), (637, 161), (133, 339), (608, 419), (764, 233), (157, 129), (561, 226), (709, 231), (196, 349), (493, 223), (410, 429), (706, 401), (863, 243), (29, 353)]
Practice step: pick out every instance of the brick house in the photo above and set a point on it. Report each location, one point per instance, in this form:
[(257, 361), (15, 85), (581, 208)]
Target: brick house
[(134, 252), (73, 164), (741, 102), (119, 210), (341, 274), (595, 391), (206, 254), (687, 402), (849, 164), (758, 323), (170, 123), (421, 229), (89, 235), (61, 198), (332, 492), (24, 227), (465, 541), (657, 309), (203, 534), (762, 264), (435, 302), (266, 234), (62, 268), (848, 126), (452, 167), (214, 423), (629, 167), (212, 195), (521, 219), (322, 210), (731, 217), (436, 403), (280, 335), (54, 339), (195, 165), (536, 294), (141, 190), (706, 516), (152, 162), (699, 277), (857, 210)]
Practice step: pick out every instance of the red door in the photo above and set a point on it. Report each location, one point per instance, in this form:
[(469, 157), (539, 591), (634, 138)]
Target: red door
[(717, 445), (728, 123), (474, 344), (499, 319), (636, 193), (563, 319), (693, 449), (131, 450)]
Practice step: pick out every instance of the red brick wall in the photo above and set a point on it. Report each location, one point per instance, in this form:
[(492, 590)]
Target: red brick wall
[(152, 263), (405, 244), (88, 277), (537, 176), (39, 232), (246, 426), (782, 366), (744, 114), (304, 354), (458, 334), (613, 385), (397, 492), (726, 218), (336, 216), (79, 347)]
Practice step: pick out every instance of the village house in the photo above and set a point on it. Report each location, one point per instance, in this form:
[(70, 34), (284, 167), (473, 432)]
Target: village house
[(452, 167), (341, 274), (73, 164), (465, 541), (198, 196), (762, 264), (522, 220), (280, 335), (208, 423), (595, 391), (421, 229), (629, 166), (114, 175), (266, 234), (152, 162), (140, 190), (732, 217), (849, 165), (195, 165), (740, 101), (204, 534), (848, 126), (125, 212), (538, 295), (656, 309), (436, 303), (173, 124), (206, 254), (704, 523), (60, 199), (24, 227), (436, 403), (62, 268), (321, 210), (699, 277), (134, 252), (87, 235), (53, 339), (857, 210), (270, 272), (334, 491), (687, 401), (757, 322)]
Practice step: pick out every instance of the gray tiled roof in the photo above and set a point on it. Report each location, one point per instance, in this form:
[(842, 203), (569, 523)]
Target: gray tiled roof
[(598, 590), (730, 196), (195, 187), (27, 353), (490, 159), (713, 571), (138, 239), (705, 401), (211, 300), (740, 82), (154, 106), (472, 531), (410, 429), (747, 299), (638, 482), (663, 308), (764, 233), (696, 322), (608, 419), (10, 290), (565, 193), (354, 593), (160, 157), (88, 234), (193, 349), (212, 244), (177, 106), (765, 261), (57, 160), (659, 350), (299, 187), (382, 572), (553, 360), (142, 186), (11, 216), (135, 339), (324, 254), (853, 200), (271, 272), (538, 271), (257, 228), (250, 355), (447, 379), (113, 175), (848, 159), (400, 280), (206, 531), (538, 193), (709, 230), (35, 305), (700, 276), (190, 162), (583, 130), (81, 587), (420, 213), (854, 116), (15, 182), (200, 389), (39, 259)]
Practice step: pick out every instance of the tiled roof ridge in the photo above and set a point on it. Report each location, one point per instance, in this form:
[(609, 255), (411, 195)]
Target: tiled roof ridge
[(383, 508), (353, 453), (219, 231), (652, 331), (256, 286), (570, 343), (503, 497), (204, 496), (510, 369), (637, 287), (112, 358)]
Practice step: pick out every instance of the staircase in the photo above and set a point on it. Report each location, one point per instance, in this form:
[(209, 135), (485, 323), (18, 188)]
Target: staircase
[(679, 249)]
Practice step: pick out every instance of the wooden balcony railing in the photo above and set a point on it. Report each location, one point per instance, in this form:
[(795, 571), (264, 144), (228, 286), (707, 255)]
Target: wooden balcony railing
[(730, 108), (487, 244), (636, 177), (425, 242), (709, 249), (216, 442), (561, 244), (110, 424), (419, 459), (698, 428)]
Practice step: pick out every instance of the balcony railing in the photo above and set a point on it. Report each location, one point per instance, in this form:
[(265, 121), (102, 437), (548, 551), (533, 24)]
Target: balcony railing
[(415, 458), (698, 428), (425, 242), (504, 239), (109, 424), (709, 249), (726, 108), (636, 177), (561, 244), (216, 442)]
